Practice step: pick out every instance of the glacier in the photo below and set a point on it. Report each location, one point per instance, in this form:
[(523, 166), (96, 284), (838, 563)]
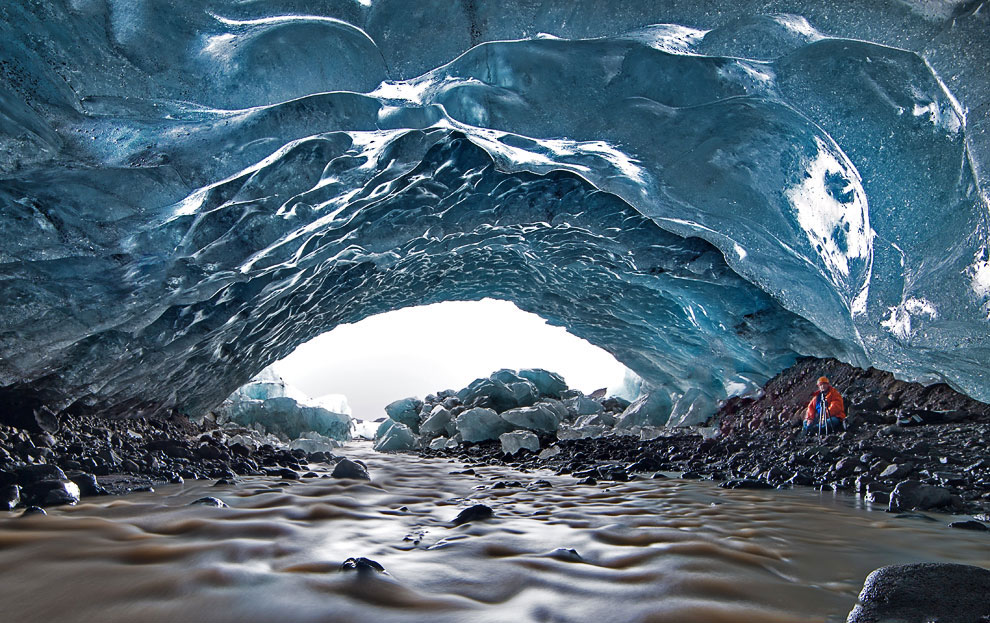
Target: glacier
[(271, 406), (705, 190)]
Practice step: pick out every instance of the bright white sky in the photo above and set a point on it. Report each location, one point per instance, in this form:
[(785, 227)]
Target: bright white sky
[(421, 350)]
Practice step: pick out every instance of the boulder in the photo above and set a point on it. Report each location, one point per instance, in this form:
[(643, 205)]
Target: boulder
[(651, 409), (579, 406), (517, 440), (539, 417), (405, 411), (480, 424), (693, 408), (547, 383), (437, 422), (915, 495), (397, 438), (473, 513), (923, 592), (347, 468)]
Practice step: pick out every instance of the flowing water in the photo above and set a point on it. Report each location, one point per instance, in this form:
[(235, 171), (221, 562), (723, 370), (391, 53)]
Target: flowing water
[(647, 550)]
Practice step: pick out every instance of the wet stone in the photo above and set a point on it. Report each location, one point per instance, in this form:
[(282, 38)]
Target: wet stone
[(922, 592), (10, 497), (209, 501), (473, 513), (362, 566), (970, 524), (52, 493), (87, 484), (347, 468), (33, 510)]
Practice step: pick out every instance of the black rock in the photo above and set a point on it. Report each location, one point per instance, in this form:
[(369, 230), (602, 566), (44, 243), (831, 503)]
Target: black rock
[(10, 497), (473, 513), (30, 474), (347, 468), (590, 480), (284, 473), (87, 484), (921, 592), (223, 481), (970, 524), (912, 494), (612, 472), (362, 566), (209, 501), (52, 493), (877, 497), (33, 510)]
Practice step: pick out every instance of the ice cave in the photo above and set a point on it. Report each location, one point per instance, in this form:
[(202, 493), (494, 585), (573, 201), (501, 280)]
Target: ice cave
[(189, 194), (710, 191)]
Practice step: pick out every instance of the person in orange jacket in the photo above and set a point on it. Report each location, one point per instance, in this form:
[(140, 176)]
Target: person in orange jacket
[(826, 411)]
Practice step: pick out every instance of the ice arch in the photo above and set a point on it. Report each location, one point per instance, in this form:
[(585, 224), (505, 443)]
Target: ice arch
[(189, 195)]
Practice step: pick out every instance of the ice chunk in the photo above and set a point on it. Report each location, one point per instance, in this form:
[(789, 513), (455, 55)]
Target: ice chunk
[(405, 411), (603, 418), (548, 384), (481, 424), (501, 391), (438, 421), (539, 417), (582, 405), (652, 409), (397, 438), (582, 432), (515, 441), (364, 429), (439, 443), (692, 409), (284, 416), (310, 442)]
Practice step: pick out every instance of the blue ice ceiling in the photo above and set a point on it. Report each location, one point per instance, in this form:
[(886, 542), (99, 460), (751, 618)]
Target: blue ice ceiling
[(189, 190)]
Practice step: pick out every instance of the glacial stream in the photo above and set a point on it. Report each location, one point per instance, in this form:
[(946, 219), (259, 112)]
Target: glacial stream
[(646, 551)]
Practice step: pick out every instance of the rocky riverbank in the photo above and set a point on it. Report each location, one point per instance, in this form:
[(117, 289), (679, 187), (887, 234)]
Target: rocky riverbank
[(90, 455), (908, 447)]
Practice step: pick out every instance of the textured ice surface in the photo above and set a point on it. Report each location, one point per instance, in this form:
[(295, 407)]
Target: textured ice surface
[(517, 440), (395, 438), (651, 409), (481, 424), (285, 417), (705, 190), (539, 417), (270, 405), (405, 411)]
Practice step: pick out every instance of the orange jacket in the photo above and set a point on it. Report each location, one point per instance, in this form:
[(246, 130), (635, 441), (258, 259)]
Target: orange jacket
[(833, 399)]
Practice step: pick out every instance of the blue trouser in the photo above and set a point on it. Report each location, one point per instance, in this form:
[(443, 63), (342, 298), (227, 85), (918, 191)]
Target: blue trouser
[(832, 425)]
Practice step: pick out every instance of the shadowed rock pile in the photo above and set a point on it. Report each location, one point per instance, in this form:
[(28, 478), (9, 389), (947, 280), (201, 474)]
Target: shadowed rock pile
[(907, 446), (98, 456)]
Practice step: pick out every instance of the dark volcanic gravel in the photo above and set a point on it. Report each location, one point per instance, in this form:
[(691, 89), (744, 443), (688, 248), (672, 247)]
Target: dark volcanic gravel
[(932, 441), (97, 456)]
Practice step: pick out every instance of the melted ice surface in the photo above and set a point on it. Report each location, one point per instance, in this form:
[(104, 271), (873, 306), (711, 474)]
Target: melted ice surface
[(188, 195)]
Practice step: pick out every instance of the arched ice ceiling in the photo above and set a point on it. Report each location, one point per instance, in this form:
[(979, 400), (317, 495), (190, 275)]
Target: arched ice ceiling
[(190, 190)]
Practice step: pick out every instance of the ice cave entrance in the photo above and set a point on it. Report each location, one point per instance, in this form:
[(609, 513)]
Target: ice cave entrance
[(416, 351)]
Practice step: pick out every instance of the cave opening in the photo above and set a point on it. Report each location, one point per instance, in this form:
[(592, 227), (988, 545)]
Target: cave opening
[(416, 351)]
